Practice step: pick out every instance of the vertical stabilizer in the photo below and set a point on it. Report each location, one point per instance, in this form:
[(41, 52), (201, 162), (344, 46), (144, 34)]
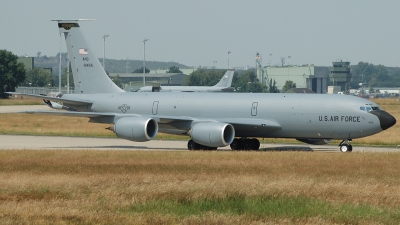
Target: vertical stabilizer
[(89, 75), (226, 80)]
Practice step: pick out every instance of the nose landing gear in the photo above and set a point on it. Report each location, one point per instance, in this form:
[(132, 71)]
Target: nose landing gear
[(345, 146)]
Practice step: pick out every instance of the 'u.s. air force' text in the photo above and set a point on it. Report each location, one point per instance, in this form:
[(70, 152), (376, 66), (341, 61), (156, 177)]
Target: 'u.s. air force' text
[(355, 119)]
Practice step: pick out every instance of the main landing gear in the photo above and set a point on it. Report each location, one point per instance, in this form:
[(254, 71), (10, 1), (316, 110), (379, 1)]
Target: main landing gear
[(239, 144), (345, 146)]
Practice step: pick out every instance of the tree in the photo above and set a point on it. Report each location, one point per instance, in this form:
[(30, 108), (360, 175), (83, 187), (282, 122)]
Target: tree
[(140, 70), (374, 75), (12, 73), (38, 77), (174, 69), (288, 85), (272, 87), (203, 77), (248, 82), (117, 80)]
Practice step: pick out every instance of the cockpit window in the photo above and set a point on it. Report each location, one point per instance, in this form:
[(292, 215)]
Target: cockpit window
[(369, 108)]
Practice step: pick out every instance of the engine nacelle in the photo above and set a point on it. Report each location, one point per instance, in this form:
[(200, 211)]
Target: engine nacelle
[(136, 128), (315, 141), (212, 134)]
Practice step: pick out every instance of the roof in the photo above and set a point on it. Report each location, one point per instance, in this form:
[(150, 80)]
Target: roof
[(300, 91)]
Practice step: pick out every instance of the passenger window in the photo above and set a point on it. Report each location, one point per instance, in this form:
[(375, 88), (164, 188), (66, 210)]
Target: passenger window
[(362, 108)]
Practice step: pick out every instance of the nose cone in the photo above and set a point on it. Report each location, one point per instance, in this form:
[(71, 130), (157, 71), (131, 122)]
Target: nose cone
[(385, 119)]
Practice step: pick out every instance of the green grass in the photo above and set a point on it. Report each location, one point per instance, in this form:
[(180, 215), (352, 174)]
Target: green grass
[(259, 208)]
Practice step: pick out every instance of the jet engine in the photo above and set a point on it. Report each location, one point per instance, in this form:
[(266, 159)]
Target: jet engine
[(136, 128), (212, 134), (315, 141)]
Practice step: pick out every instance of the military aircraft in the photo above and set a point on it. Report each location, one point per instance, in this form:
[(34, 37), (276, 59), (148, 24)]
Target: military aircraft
[(211, 120), (223, 85)]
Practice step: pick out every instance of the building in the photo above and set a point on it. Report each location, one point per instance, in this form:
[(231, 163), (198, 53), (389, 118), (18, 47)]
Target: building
[(340, 75), (306, 76), (315, 78)]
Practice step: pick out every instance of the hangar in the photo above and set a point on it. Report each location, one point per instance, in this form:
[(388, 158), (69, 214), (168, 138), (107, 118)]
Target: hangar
[(315, 78)]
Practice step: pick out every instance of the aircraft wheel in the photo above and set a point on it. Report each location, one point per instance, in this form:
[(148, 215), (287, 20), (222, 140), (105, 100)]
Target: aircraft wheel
[(193, 145), (350, 148), (237, 144), (255, 144), (248, 145), (345, 148)]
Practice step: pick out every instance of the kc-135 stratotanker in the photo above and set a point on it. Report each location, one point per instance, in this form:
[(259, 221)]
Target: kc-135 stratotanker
[(211, 120)]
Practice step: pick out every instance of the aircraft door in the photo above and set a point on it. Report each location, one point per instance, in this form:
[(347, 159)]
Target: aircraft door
[(155, 107), (254, 109)]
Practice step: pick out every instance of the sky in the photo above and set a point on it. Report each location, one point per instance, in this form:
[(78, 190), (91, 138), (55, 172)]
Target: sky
[(201, 33)]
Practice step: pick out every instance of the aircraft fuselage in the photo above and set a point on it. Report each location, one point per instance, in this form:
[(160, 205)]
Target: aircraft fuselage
[(299, 115)]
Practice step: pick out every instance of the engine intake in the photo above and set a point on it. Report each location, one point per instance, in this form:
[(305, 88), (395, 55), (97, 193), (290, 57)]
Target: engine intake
[(212, 134), (136, 128)]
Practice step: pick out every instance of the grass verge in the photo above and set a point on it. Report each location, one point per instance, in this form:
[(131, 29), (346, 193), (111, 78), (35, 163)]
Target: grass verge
[(267, 208), (156, 187)]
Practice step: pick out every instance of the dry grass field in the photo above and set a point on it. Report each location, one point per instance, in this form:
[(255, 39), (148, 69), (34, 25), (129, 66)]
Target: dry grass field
[(181, 187), (155, 187)]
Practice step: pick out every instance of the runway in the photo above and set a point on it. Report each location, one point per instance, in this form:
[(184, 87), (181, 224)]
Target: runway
[(21, 142), (20, 108)]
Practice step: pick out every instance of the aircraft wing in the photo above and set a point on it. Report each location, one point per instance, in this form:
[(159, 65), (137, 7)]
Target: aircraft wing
[(240, 124), (69, 113), (68, 101)]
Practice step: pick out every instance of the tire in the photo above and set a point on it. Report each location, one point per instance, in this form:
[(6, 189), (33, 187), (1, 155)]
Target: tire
[(237, 144), (255, 144), (192, 145), (344, 148)]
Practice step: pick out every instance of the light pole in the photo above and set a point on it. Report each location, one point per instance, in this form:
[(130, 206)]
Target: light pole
[(104, 51), (144, 60), (59, 69), (229, 52), (270, 60), (270, 64)]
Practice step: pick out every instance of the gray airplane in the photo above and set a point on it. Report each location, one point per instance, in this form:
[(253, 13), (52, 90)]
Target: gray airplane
[(223, 85), (211, 120)]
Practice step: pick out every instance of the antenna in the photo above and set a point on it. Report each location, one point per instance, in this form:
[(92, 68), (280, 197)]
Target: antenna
[(283, 61)]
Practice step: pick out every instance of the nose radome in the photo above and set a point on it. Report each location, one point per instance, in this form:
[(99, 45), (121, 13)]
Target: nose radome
[(385, 119)]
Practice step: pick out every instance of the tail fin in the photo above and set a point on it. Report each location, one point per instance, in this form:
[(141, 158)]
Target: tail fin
[(226, 80), (89, 75)]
